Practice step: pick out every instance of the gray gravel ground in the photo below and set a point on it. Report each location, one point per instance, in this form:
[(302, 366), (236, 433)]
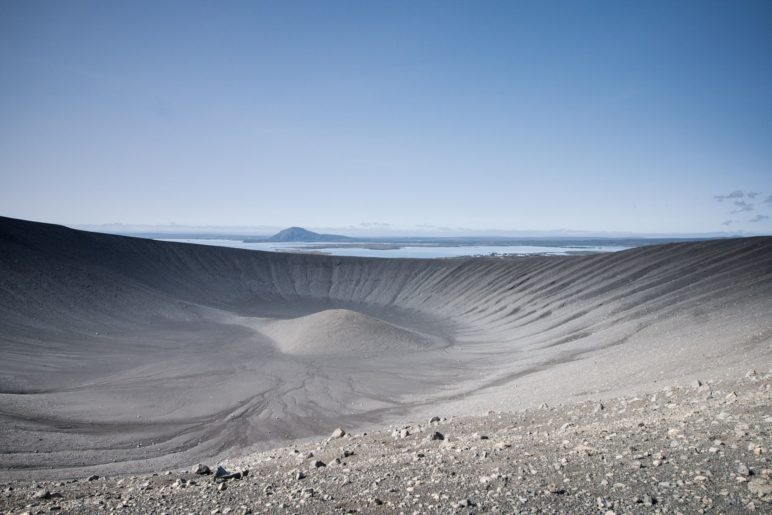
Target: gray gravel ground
[(703, 448)]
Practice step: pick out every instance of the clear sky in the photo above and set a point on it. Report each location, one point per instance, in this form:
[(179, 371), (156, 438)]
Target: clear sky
[(648, 116)]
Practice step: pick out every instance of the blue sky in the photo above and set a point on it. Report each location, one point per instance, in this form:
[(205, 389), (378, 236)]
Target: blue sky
[(597, 116)]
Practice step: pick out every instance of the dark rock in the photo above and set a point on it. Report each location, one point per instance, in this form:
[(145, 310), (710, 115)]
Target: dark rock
[(435, 435), (201, 469), (221, 473)]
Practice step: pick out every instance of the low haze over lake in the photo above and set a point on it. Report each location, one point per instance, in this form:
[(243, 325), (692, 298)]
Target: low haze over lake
[(422, 250)]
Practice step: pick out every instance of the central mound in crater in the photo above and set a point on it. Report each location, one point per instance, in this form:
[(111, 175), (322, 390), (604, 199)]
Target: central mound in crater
[(335, 332)]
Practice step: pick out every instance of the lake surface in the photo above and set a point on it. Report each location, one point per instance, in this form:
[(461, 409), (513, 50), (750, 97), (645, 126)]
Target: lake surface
[(411, 250)]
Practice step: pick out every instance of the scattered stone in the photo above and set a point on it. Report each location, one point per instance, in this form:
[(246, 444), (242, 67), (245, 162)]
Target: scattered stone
[(222, 487), (435, 435), (319, 464), (434, 421), (338, 433), (552, 488), (743, 470), (93, 477), (221, 473), (401, 433), (761, 487), (201, 469)]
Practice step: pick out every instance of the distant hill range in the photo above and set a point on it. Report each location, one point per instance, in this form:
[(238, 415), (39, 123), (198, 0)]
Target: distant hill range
[(304, 235)]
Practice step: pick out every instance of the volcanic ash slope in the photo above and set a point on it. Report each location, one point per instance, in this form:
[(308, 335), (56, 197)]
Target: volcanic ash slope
[(124, 354)]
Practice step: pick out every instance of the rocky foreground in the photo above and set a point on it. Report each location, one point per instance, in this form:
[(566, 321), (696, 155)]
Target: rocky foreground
[(703, 448)]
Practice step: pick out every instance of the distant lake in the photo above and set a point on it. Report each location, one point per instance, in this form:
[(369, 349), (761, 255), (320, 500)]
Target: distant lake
[(386, 249)]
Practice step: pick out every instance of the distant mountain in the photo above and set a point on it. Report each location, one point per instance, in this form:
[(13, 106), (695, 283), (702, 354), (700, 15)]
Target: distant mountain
[(300, 234)]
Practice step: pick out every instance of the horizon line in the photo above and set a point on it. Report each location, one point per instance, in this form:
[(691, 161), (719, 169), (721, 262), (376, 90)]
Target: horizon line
[(385, 232)]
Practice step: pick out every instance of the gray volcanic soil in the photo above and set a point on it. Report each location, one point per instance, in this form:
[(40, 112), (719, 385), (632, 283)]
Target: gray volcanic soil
[(127, 355), (693, 449)]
